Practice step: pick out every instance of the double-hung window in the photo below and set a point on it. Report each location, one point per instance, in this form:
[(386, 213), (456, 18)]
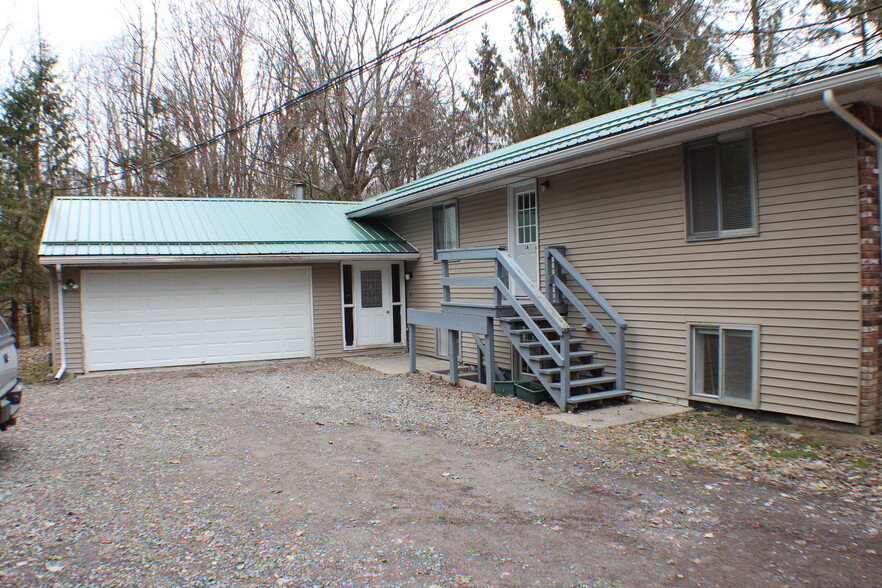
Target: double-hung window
[(720, 192), (724, 363), (445, 228)]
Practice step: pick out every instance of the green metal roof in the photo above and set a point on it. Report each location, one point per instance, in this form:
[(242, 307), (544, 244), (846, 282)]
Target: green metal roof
[(685, 102), (96, 226)]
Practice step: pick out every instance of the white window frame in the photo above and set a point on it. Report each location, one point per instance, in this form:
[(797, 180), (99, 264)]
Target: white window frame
[(720, 233), (694, 358)]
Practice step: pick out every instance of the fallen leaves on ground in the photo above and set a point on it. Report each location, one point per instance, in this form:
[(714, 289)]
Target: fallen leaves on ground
[(811, 459)]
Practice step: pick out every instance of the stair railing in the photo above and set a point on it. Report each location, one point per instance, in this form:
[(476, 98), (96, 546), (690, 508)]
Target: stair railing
[(507, 271), (558, 271)]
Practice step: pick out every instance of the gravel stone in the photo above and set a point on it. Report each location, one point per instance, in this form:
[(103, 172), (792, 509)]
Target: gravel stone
[(323, 473)]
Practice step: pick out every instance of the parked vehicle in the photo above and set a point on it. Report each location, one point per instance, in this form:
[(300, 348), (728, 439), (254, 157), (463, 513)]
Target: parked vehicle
[(10, 384)]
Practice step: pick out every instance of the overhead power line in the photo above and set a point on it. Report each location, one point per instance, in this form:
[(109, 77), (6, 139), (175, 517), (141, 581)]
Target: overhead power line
[(441, 29)]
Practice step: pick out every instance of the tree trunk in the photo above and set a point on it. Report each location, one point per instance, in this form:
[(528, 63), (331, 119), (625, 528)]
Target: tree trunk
[(757, 42), (35, 320), (15, 321)]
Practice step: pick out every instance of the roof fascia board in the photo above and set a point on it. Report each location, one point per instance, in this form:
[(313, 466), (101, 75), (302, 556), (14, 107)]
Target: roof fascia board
[(82, 260), (794, 94)]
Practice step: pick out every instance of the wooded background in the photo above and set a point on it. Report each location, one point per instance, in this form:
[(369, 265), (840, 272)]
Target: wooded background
[(148, 114)]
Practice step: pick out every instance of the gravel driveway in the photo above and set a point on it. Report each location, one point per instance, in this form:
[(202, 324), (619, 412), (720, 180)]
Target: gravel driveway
[(322, 473)]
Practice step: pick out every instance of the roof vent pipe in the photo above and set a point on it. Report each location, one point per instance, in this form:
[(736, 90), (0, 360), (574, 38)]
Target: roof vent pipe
[(299, 191), (652, 96)]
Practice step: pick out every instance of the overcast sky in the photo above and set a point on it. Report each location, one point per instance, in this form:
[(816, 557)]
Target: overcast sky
[(73, 27)]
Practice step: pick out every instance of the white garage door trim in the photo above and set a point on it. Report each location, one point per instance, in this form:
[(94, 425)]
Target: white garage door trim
[(173, 317)]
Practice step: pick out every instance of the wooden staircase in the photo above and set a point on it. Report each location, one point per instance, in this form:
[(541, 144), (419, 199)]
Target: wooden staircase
[(534, 322), (588, 379)]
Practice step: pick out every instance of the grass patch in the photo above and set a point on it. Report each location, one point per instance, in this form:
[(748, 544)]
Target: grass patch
[(689, 461), (794, 454), (865, 462), (679, 430), (34, 373)]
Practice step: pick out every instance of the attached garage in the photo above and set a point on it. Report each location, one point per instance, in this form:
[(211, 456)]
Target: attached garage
[(155, 282), (168, 317)]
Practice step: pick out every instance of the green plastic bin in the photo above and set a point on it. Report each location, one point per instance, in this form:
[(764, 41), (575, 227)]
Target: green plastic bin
[(505, 388), (531, 392)]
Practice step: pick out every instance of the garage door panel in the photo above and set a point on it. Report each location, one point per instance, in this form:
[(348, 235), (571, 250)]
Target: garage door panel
[(184, 317)]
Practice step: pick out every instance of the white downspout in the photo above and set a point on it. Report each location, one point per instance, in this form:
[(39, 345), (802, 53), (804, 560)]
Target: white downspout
[(858, 125), (863, 129), (61, 346)]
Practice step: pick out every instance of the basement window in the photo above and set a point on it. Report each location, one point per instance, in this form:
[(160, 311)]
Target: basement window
[(720, 191), (724, 363)]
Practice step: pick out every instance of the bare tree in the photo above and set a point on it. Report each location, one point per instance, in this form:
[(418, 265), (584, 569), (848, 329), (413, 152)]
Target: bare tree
[(312, 41)]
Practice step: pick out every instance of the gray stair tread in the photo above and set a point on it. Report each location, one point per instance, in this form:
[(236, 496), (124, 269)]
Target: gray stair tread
[(517, 319), (597, 396), (574, 368), (546, 356), (555, 342), (587, 382), (528, 331)]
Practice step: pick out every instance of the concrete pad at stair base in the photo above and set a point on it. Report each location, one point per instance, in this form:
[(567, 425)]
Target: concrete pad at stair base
[(622, 414), (398, 363)]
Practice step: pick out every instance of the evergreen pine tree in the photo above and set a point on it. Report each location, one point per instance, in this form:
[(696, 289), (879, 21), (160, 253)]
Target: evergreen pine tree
[(36, 152), (528, 76), (616, 52), (485, 96), (863, 19)]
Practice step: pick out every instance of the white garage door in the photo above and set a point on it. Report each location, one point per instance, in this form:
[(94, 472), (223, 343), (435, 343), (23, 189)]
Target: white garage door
[(151, 318)]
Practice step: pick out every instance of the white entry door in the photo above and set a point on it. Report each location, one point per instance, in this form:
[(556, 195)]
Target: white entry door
[(523, 230), (373, 304)]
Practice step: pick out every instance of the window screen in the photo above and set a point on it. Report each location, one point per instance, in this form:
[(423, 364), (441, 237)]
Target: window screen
[(736, 186), (703, 198), (445, 227)]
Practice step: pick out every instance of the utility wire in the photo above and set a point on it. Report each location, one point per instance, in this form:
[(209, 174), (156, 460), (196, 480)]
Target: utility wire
[(442, 29)]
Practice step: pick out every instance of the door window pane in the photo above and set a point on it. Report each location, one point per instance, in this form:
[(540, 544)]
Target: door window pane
[(371, 288), (526, 218)]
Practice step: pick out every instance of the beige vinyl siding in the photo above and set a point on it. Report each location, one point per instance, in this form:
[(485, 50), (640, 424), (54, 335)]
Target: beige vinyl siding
[(482, 223), (623, 223), (798, 280), (327, 305), (73, 324)]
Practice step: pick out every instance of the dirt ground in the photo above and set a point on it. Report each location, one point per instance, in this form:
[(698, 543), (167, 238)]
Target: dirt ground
[(321, 473)]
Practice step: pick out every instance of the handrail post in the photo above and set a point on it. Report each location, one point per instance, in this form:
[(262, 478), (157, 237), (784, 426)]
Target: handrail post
[(445, 273), (411, 345), (550, 291), (565, 368), (553, 269), (490, 354), (621, 357)]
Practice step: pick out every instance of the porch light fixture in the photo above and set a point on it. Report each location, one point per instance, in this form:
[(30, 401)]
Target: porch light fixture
[(71, 285)]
